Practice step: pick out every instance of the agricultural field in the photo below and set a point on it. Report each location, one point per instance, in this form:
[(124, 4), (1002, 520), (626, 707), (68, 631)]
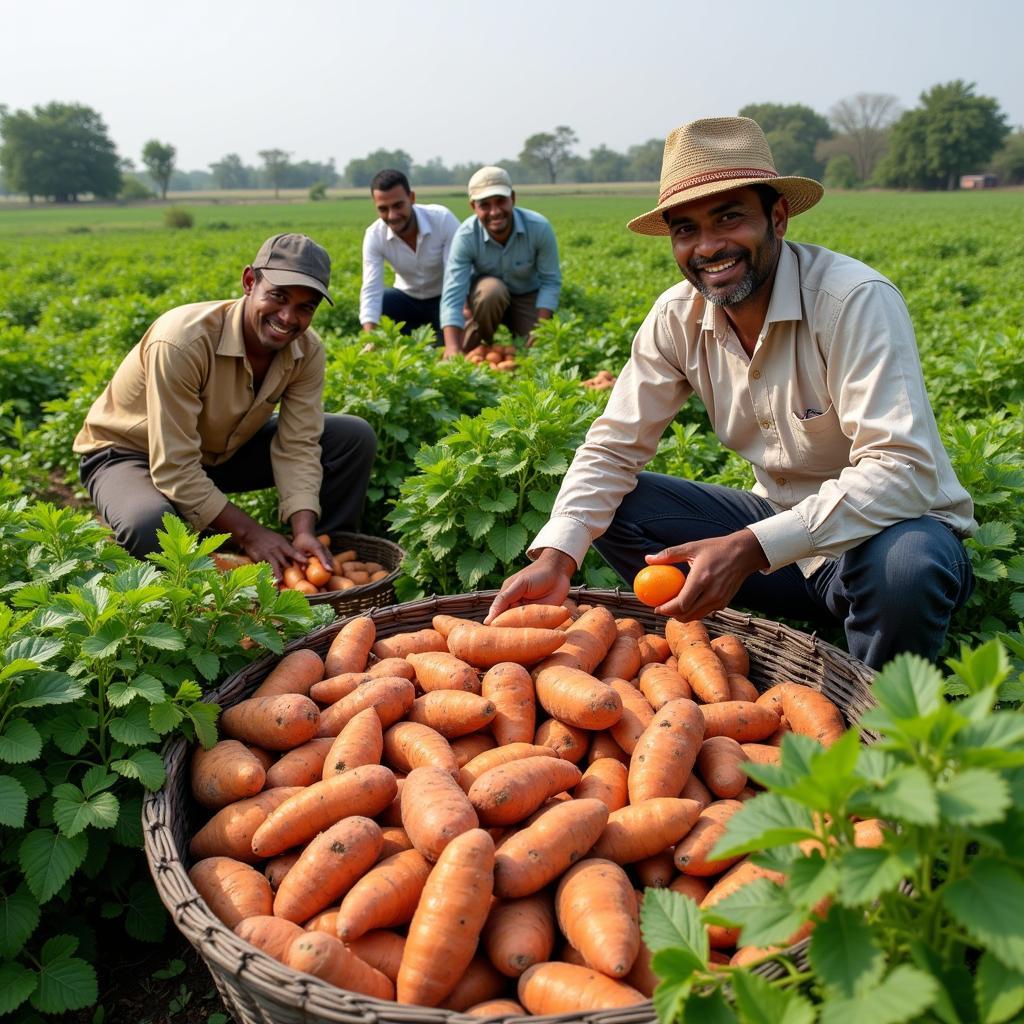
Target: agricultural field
[(468, 465)]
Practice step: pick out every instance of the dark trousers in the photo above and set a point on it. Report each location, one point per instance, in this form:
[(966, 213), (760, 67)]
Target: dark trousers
[(491, 304), (894, 592), (402, 307), (121, 487)]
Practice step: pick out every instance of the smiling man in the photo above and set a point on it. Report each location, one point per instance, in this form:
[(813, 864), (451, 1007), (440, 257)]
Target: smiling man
[(503, 267), (414, 238), (806, 363), (227, 396)]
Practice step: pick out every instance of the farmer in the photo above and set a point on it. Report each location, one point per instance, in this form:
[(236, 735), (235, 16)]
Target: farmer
[(807, 365), (503, 267), (414, 239), (189, 416)]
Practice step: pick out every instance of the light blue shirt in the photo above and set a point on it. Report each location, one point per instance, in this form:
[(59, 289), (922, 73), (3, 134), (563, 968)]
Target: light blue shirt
[(527, 262)]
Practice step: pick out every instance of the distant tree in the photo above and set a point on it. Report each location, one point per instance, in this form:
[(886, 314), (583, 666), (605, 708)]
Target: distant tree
[(59, 151), (159, 160), (309, 172), (840, 172), (133, 189), (359, 173), (645, 160), (1008, 163), (861, 124), (607, 165), (549, 151), (793, 132), (953, 132), (229, 173), (275, 167), (433, 172)]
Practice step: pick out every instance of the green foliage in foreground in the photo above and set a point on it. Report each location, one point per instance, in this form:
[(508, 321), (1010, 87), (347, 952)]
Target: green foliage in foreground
[(104, 658), (928, 926)]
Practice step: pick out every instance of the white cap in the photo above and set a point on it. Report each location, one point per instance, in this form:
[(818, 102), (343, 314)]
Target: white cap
[(489, 181)]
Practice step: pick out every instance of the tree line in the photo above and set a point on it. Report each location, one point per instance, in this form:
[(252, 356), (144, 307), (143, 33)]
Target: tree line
[(62, 151)]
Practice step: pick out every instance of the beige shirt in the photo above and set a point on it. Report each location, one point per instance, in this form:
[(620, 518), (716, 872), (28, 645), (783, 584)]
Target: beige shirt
[(184, 395), (830, 410)]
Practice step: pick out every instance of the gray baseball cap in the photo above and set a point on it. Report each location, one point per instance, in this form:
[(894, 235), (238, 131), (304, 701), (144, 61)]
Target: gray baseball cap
[(292, 259)]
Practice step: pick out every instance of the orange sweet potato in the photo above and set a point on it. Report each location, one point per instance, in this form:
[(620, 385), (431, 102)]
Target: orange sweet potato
[(510, 687), (434, 810), (294, 673), (276, 722), (645, 828), (232, 890), (385, 897), (350, 649), (666, 751), (577, 698), (228, 771)]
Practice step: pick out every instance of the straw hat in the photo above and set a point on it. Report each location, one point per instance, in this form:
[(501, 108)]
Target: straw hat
[(714, 155)]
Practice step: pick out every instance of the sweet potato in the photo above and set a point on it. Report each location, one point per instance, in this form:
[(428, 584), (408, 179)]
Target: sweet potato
[(271, 934), (698, 663), (602, 745), (465, 748), (449, 917), (366, 790), (328, 958), (810, 713), (385, 896), (350, 649), (623, 659), (294, 673), (741, 688), (227, 772), (555, 988), (390, 696), (510, 792), (232, 890), (361, 741), (656, 871), (229, 832), (692, 886), (439, 670), (692, 852), (520, 933), (585, 642), (487, 646), (278, 722), (741, 720), (732, 654), (720, 764), (381, 949), (636, 715), (409, 745), (666, 751), (277, 867), (497, 1008), (653, 648), (537, 854), (488, 759), (452, 712), (645, 828), (301, 766), (480, 980), (740, 874), (761, 753), (659, 684), (435, 810), (577, 698), (510, 687), (536, 616), (402, 644), (606, 780), (567, 741)]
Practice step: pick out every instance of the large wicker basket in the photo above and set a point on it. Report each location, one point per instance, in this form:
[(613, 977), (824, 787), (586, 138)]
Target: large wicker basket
[(257, 989)]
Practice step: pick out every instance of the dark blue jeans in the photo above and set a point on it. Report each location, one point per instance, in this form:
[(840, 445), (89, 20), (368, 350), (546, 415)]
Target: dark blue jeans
[(413, 312), (894, 592)]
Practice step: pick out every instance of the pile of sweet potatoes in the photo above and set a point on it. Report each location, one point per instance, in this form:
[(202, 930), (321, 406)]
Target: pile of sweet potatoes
[(465, 816)]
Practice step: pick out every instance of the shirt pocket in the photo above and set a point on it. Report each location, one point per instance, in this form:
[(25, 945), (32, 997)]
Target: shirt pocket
[(819, 443)]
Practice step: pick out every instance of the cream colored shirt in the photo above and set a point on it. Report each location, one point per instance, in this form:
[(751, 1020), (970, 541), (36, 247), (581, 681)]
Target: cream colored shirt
[(184, 395), (830, 410)]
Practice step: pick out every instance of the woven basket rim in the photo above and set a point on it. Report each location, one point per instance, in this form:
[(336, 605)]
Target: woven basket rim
[(237, 966)]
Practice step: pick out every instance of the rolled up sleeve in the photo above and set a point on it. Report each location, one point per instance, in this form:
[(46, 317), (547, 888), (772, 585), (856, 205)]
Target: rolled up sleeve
[(549, 271), (295, 450)]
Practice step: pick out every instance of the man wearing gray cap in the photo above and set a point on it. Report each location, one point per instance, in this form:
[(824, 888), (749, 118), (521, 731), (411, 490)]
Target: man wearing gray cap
[(227, 396), (502, 269)]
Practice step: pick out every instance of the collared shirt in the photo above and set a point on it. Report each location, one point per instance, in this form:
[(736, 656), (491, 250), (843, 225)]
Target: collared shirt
[(418, 273), (830, 410), (527, 262), (184, 395)]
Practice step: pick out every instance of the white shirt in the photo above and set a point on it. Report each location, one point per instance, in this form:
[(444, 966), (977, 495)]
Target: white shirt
[(418, 273), (830, 410)]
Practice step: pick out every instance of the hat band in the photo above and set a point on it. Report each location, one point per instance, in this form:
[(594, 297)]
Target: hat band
[(712, 176)]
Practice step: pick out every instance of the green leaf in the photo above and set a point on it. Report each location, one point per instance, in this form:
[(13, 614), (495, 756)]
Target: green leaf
[(145, 918), (20, 742), (165, 717), (542, 501), (207, 664), (866, 874), (74, 812), (128, 830), (552, 464), (669, 920), (65, 982), (19, 916), (505, 501), (479, 522), (31, 780), (982, 667), (13, 802), (974, 796), (902, 995), (765, 911), (17, 983), (908, 687), (710, 1008), (1000, 991), (36, 649), (908, 794), (507, 542), (844, 953), (765, 821), (204, 720), (988, 902), (48, 860), (133, 727), (994, 534), (161, 636), (104, 643), (669, 996), (97, 779), (761, 1002), (472, 566), (144, 765), (69, 730), (811, 879), (42, 689), (148, 687)]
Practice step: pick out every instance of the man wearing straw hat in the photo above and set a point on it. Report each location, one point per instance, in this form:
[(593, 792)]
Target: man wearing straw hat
[(807, 365)]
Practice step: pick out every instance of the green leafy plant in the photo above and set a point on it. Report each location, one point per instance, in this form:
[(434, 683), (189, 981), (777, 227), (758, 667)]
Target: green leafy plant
[(105, 657), (926, 926)]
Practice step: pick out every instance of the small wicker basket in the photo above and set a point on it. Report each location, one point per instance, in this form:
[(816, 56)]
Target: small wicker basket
[(369, 595), (257, 989)]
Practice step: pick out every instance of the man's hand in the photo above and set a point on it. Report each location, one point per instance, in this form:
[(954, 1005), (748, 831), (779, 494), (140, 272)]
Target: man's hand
[(309, 547), (452, 341), (718, 567), (542, 314), (263, 545), (545, 581), (369, 327)]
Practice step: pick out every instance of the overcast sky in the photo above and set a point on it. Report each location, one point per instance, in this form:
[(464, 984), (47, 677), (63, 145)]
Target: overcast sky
[(469, 81)]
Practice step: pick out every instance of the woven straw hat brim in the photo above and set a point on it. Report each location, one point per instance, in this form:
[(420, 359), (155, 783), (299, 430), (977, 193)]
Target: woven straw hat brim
[(802, 194)]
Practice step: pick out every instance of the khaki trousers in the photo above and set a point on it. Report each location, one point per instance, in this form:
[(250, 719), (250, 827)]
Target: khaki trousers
[(492, 304)]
